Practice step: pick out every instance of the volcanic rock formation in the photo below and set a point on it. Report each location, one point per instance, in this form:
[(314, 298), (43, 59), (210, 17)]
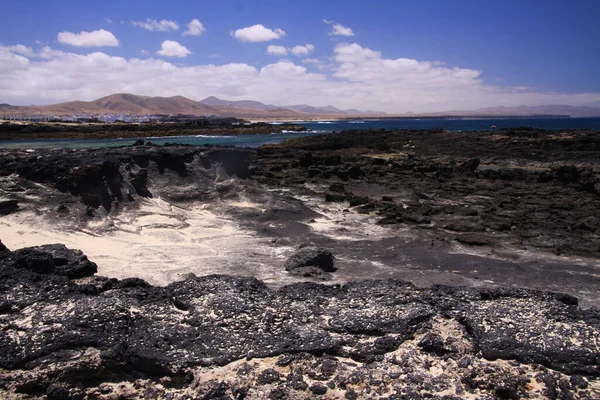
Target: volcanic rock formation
[(232, 337)]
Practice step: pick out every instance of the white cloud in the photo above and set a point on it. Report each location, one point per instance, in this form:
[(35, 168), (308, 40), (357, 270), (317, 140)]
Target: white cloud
[(341, 30), (358, 77), (214, 56), (97, 38), (171, 48), (144, 52), (354, 53), (303, 50), (297, 50), (11, 62), (257, 33), (195, 28), (108, 20), (276, 50), (311, 61), (152, 25), (338, 29), (23, 50), (48, 53)]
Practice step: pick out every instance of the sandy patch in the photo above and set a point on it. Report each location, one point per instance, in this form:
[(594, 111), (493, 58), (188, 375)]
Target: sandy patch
[(160, 243)]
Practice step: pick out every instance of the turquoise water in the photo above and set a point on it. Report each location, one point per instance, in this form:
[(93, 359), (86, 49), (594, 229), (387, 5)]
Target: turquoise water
[(324, 127)]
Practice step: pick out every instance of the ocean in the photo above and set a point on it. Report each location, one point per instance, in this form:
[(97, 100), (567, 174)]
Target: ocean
[(323, 127)]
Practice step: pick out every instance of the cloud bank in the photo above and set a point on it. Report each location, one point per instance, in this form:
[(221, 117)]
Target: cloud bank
[(98, 38), (355, 77)]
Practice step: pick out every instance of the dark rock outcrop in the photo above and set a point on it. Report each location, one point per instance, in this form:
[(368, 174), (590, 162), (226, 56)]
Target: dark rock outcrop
[(108, 178), (515, 181), (60, 339), (55, 259), (310, 261), (8, 206)]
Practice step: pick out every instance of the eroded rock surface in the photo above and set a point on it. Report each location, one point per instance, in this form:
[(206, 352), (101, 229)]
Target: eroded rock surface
[(517, 208), (232, 337), (311, 261)]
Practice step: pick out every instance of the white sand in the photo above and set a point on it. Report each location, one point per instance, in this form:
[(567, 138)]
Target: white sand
[(160, 243)]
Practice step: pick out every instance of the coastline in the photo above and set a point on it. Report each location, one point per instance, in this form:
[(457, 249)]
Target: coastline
[(459, 253), (48, 131)]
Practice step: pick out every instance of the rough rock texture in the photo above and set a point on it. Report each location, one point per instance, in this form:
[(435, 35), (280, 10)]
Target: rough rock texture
[(106, 179), (65, 333), (310, 261), (232, 337), (217, 126), (527, 188), (55, 259)]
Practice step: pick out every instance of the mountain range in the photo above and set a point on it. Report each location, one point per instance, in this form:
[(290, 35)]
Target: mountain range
[(124, 103)]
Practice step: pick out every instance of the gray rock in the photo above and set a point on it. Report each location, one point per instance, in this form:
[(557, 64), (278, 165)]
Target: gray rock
[(8, 206), (71, 338), (311, 261), (56, 259)]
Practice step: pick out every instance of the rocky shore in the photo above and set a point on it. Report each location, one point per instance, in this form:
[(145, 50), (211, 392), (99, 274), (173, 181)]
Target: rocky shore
[(218, 127), (69, 334), (446, 254)]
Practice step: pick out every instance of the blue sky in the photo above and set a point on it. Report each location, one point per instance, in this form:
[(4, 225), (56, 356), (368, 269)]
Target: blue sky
[(401, 56)]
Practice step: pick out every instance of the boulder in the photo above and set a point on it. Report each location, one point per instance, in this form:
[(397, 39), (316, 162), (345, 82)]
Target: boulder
[(337, 187), (56, 259), (471, 164), (305, 160), (335, 197), (8, 206), (310, 261), (473, 240), (567, 173)]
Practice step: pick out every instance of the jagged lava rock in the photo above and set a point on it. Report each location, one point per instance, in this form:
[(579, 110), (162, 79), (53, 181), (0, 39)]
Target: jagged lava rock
[(219, 334), (56, 259), (310, 261)]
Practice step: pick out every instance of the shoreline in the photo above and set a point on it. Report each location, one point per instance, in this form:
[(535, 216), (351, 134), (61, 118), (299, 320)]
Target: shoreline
[(58, 131), (465, 266)]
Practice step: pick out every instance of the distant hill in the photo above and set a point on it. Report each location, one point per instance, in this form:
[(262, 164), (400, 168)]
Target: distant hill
[(256, 105), (305, 109), (354, 111), (125, 103), (241, 104), (573, 111)]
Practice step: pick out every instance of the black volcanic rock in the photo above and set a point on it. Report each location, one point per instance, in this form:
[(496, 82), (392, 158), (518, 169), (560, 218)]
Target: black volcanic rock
[(56, 259), (65, 333), (310, 261), (107, 178), (8, 206), (70, 340)]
